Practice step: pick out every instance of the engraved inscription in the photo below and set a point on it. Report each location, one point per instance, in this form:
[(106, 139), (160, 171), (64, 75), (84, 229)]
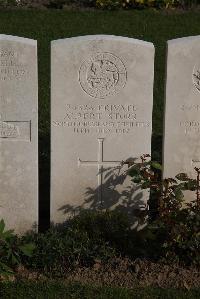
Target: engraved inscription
[(191, 107), (102, 75), (8, 130), (15, 130), (190, 126), (10, 66), (196, 77), (101, 119)]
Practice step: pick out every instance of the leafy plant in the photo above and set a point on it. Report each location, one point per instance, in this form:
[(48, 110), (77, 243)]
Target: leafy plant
[(12, 250), (176, 229), (59, 251), (108, 4), (5, 3), (111, 226), (58, 4)]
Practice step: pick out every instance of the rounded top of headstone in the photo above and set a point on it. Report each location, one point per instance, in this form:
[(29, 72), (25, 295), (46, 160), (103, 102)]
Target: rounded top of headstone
[(18, 39), (184, 40), (86, 38)]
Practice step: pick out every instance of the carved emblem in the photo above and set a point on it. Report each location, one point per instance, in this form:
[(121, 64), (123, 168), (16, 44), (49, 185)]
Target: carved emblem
[(102, 75), (8, 130), (196, 78)]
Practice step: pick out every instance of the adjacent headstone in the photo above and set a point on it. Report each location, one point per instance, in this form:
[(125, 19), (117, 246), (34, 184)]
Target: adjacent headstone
[(18, 133), (101, 112), (182, 108)]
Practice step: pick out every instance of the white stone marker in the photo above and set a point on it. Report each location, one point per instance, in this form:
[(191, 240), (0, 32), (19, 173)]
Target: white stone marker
[(101, 111), (182, 109), (18, 133)]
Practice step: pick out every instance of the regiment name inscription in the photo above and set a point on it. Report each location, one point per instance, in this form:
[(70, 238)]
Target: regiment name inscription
[(98, 118)]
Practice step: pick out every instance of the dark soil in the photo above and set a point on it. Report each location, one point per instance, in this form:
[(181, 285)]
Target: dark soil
[(128, 274)]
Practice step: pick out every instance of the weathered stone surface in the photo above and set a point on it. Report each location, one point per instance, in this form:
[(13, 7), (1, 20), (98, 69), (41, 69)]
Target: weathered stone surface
[(18, 133), (182, 108), (101, 110)]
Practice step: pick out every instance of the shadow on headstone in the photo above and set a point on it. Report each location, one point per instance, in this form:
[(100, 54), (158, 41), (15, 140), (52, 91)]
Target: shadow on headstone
[(118, 193), (126, 201)]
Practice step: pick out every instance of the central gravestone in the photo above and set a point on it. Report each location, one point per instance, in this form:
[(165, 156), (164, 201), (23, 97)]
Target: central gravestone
[(101, 110), (18, 133)]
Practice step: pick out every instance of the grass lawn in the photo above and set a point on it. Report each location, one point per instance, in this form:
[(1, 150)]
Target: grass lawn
[(47, 25), (58, 290)]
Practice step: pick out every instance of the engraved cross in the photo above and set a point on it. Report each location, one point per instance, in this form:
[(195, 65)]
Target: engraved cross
[(100, 163)]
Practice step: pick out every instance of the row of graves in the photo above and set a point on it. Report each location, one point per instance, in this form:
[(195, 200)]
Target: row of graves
[(101, 115)]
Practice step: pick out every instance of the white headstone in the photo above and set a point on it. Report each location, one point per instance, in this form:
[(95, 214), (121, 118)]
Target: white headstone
[(182, 108), (18, 133), (101, 112)]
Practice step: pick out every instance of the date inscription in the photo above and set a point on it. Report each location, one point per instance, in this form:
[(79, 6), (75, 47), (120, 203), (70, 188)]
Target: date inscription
[(102, 119)]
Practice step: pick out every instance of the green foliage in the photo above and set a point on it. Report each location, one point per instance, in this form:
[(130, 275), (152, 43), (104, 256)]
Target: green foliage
[(168, 192), (176, 228), (115, 229), (86, 238), (60, 250), (93, 236), (129, 4), (103, 4), (5, 3), (182, 244), (96, 235), (58, 4), (177, 237), (111, 226), (12, 250), (86, 3), (173, 236), (108, 4)]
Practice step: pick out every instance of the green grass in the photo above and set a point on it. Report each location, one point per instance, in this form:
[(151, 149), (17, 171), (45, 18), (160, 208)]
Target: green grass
[(59, 290)]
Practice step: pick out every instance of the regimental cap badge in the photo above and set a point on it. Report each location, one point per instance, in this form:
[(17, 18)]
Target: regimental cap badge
[(102, 75)]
